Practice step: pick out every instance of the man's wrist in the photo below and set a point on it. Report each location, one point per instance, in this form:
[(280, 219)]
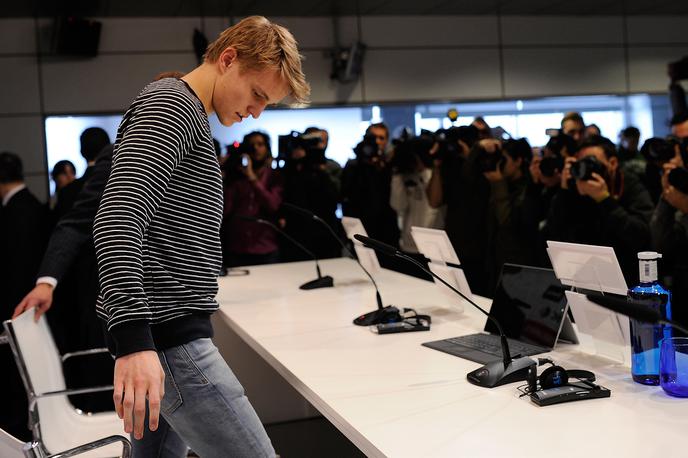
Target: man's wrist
[(52, 281), (602, 197)]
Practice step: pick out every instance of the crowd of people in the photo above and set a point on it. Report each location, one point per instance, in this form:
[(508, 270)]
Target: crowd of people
[(499, 199)]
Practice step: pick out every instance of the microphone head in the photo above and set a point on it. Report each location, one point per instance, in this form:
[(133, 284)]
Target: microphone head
[(630, 308), (299, 210), (376, 245)]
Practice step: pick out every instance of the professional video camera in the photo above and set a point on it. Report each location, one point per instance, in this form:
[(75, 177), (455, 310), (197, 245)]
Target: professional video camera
[(295, 140)]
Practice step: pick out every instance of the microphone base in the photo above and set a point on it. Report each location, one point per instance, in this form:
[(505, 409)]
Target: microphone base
[(322, 282), (389, 314), (495, 374)]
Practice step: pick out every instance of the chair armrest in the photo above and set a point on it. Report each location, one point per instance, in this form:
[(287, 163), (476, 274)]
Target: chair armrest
[(92, 351), (34, 449), (70, 392)]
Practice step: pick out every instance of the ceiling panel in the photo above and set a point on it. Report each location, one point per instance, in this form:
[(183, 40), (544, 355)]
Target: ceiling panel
[(226, 8)]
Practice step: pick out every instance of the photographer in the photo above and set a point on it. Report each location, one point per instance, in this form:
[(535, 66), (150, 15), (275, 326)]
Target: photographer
[(458, 183), (366, 183), (669, 228), (255, 190), (332, 167), (544, 183), (509, 231), (412, 170), (600, 205), (657, 152), (308, 185)]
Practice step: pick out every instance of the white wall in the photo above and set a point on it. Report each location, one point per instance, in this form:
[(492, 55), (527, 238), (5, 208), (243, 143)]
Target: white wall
[(409, 58)]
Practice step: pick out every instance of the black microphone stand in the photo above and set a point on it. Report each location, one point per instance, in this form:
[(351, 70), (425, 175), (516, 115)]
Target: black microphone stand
[(508, 369), (320, 282), (383, 314)]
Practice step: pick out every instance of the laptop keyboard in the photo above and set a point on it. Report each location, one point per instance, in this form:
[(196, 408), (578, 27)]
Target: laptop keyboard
[(483, 348)]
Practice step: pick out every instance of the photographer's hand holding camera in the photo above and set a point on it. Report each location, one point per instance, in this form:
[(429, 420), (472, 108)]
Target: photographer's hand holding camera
[(599, 204)]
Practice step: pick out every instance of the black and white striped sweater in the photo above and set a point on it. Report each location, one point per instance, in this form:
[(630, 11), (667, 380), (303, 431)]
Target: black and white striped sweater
[(157, 231)]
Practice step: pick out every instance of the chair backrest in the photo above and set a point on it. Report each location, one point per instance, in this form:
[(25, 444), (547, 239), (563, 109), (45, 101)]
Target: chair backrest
[(10, 447), (38, 353), (43, 373)]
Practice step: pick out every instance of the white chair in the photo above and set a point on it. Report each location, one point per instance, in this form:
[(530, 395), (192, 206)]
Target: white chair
[(56, 425), (11, 447)]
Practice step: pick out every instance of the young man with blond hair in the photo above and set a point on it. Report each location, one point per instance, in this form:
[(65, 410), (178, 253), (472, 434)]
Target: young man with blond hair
[(157, 239)]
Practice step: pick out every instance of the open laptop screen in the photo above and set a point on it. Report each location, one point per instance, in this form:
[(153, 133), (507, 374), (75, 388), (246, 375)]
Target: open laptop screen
[(530, 304)]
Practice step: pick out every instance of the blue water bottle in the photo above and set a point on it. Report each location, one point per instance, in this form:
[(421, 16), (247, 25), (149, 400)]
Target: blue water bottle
[(646, 338)]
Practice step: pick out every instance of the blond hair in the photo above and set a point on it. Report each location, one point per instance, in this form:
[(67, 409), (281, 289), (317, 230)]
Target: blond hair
[(262, 44)]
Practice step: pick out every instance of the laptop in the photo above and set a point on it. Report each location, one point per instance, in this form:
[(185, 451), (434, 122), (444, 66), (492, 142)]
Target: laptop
[(530, 305)]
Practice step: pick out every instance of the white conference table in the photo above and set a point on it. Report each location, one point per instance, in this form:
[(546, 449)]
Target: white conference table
[(392, 397)]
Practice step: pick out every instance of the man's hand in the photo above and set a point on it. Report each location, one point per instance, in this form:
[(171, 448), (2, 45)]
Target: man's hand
[(248, 170), (670, 194), (595, 187), (138, 376), (40, 298)]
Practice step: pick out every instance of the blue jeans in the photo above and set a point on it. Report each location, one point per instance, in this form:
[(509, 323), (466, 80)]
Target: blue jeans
[(204, 408)]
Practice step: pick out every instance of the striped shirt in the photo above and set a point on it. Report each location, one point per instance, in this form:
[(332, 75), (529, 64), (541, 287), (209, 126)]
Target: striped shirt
[(157, 231)]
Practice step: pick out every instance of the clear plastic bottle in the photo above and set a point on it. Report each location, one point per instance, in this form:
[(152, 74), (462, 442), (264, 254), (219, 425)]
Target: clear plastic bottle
[(646, 338)]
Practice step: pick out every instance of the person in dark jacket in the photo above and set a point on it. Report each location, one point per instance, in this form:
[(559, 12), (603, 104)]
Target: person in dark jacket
[(543, 184), (308, 185), (669, 228), (366, 188), (23, 221), (70, 254), (604, 206), (92, 140), (457, 182), (509, 231)]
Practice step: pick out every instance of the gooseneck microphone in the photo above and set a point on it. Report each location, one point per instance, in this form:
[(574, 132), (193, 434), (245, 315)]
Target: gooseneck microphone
[(492, 374), (383, 314), (320, 282), (633, 309)]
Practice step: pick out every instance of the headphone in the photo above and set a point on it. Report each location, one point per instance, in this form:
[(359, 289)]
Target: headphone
[(555, 376)]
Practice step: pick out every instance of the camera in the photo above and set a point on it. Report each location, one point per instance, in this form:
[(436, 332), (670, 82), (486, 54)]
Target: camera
[(408, 152), (658, 149), (559, 146), (295, 140), (367, 149), (550, 165), (678, 178), (489, 161), (584, 168), (237, 156)]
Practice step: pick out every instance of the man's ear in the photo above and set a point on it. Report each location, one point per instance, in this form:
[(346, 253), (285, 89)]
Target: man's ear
[(227, 59), (614, 163)]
